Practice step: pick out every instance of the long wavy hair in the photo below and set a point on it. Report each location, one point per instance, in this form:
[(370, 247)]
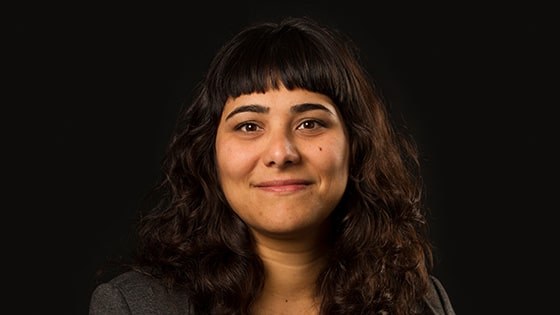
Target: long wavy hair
[(379, 257)]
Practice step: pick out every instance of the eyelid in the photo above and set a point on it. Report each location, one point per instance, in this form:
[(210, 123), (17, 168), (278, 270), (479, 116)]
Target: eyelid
[(239, 126), (321, 123)]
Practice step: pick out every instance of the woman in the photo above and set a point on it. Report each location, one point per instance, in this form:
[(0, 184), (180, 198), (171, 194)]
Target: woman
[(286, 191)]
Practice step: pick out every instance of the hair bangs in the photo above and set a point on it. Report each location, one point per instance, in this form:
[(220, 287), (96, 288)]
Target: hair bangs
[(280, 57)]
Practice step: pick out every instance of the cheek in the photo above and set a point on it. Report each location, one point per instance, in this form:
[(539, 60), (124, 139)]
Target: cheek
[(234, 161), (332, 156)]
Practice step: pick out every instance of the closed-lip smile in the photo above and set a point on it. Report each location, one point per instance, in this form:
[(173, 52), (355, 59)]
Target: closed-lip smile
[(283, 185)]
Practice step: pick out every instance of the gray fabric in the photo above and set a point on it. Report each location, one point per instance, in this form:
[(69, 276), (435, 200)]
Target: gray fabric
[(133, 293), (437, 300), (136, 293)]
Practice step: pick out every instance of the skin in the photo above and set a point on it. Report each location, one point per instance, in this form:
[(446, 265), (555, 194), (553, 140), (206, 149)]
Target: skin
[(282, 170), (282, 159)]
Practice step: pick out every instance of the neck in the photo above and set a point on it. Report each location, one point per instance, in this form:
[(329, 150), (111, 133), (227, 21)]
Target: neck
[(291, 270)]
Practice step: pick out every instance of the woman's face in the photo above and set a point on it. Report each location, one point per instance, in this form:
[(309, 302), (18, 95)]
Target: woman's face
[(282, 158)]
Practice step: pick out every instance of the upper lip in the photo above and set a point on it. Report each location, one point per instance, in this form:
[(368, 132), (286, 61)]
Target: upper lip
[(282, 182)]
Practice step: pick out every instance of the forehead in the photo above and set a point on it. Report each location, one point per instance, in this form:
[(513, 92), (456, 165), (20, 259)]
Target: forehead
[(275, 98)]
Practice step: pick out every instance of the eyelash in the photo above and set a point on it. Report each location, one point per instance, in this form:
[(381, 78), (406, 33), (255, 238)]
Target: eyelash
[(243, 126), (318, 123)]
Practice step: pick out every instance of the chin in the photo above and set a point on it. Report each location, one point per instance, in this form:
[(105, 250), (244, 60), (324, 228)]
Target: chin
[(293, 231)]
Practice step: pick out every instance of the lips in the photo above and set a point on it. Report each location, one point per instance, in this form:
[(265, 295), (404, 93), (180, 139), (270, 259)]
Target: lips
[(284, 185)]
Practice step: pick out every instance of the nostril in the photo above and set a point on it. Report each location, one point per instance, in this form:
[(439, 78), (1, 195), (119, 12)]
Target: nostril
[(280, 151)]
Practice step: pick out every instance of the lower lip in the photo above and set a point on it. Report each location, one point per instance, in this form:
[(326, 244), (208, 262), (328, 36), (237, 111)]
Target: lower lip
[(283, 188)]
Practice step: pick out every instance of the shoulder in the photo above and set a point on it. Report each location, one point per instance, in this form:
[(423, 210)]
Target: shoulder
[(135, 293), (437, 300)]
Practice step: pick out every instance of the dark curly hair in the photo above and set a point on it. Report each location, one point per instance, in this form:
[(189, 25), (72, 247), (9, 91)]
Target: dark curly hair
[(379, 255)]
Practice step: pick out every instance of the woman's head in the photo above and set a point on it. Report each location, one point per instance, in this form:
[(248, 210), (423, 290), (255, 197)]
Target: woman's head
[(378, 238), (295, 54), (282, 160)]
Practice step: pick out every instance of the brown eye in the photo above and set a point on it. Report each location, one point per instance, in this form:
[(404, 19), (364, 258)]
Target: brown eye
[(248, 127), (310, 124)]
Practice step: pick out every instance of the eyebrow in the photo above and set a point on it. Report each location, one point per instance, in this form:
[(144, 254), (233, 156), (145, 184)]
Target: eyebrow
[(248, 108), (299, 108)]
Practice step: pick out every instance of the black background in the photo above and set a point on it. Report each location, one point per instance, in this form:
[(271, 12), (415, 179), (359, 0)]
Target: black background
[(93, 91)]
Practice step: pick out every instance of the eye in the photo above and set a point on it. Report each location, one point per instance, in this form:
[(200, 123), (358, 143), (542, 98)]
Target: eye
[(248, 127), (310, 124)]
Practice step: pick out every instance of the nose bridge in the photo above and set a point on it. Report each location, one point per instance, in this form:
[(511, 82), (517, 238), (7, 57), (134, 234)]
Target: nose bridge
[(280, 148)]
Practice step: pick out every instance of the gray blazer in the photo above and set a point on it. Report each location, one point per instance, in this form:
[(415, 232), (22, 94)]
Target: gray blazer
[(136, 293)]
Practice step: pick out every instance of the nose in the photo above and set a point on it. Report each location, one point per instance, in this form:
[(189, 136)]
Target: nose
[(281, 151)]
